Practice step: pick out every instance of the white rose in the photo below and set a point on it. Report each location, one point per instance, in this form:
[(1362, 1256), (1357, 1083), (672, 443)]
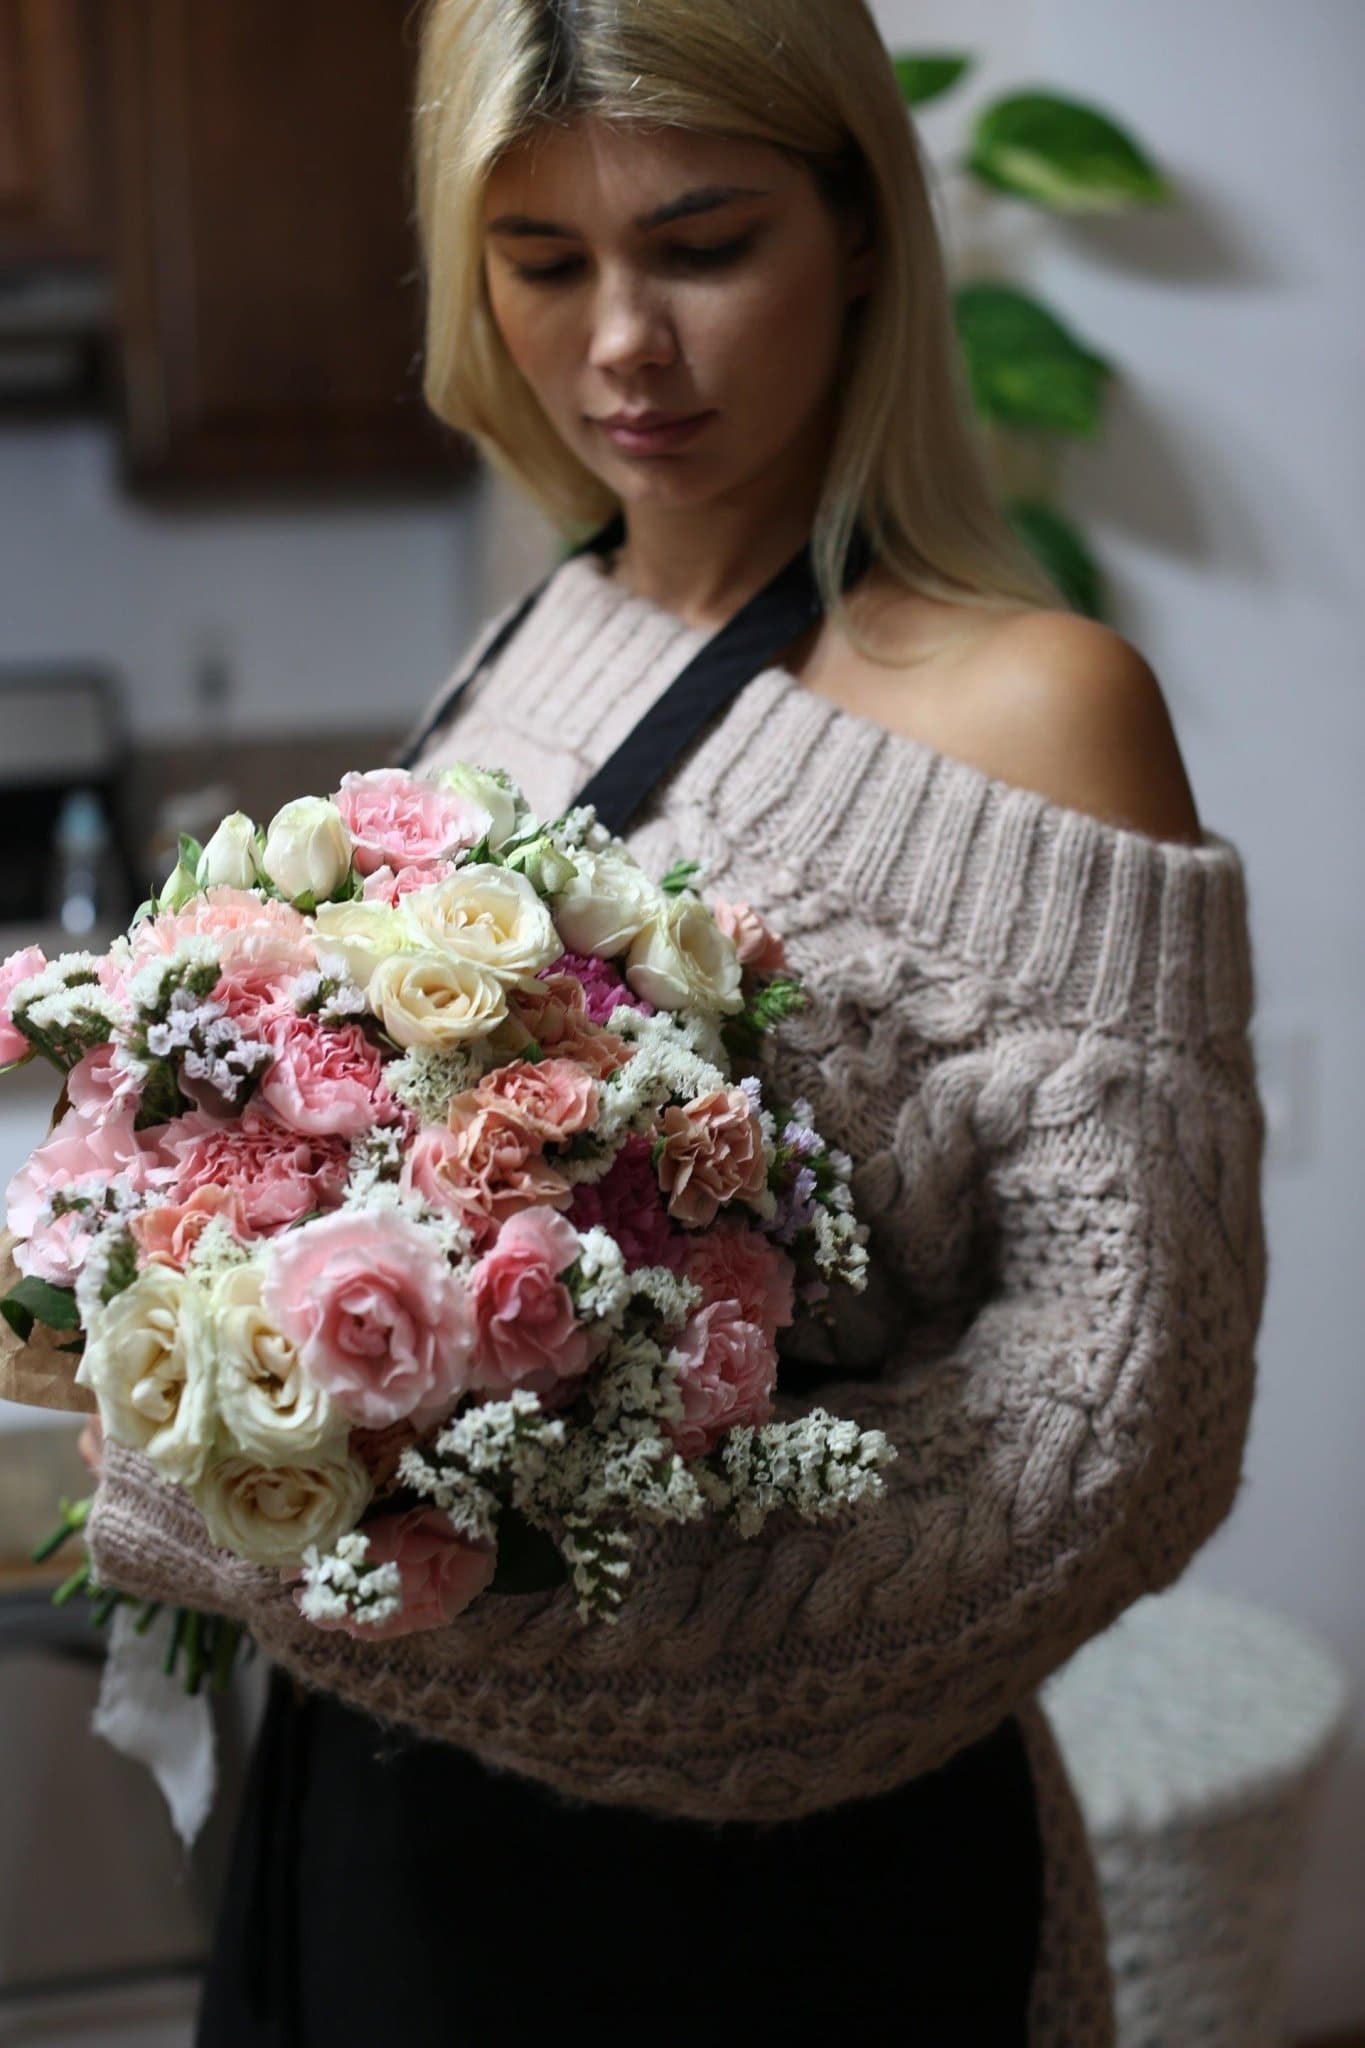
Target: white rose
[(547, 869), (149, 1362), (358, 937), (436, 999), (607, 904), (229, 859), (685, 960), (506, 808), (307, 849), (271, 1513), (489, 915), (269, 1407)]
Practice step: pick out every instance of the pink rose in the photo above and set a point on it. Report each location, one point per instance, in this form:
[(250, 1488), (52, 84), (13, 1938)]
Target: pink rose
[(386, 886), (440, 1572), (488, 1167), (324, 1078), (527, 1332), (757, 944), (712, 1153), (167, 1233), (398, 820), (741, 1266), (729, 1371), (278, 1175), (18, 967), (377, 1314), (555, 1097), (81, 1156)]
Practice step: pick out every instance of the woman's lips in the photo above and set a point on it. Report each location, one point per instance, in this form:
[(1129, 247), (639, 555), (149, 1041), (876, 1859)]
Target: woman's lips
[(654, 440)]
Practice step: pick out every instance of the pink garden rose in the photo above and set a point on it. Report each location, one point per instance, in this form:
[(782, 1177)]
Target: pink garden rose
[(555, 1097), (757, 944), (730, 1263), (627, 1203), (441, 1573), (324, 1077), (712, 1153), (18, 967), (397, 820), (729, 1371), (377, 1314), (487, 1167), (527, 1332), (168, 1232), (278, 1175)]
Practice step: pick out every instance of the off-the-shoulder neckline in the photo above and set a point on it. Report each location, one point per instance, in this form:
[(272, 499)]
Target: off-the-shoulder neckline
[(1215, 848)]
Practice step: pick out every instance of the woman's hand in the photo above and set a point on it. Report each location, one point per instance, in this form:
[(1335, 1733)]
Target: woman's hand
[(90, 1443)]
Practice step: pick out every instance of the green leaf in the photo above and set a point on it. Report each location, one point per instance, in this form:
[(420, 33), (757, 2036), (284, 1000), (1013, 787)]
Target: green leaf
[(1059, 547), (191, 852), (681, 876), (1026, 369), (923, 78), (529, 1560), (40, 1302), (1064, 155)]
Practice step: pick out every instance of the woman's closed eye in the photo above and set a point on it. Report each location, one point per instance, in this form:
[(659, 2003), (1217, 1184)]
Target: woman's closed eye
[(712, 256)]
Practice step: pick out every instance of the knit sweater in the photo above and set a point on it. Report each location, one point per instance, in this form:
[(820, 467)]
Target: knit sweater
[(1030, 1029)]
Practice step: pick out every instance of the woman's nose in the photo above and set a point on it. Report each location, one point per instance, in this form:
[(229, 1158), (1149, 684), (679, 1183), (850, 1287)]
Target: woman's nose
[(631, 325)]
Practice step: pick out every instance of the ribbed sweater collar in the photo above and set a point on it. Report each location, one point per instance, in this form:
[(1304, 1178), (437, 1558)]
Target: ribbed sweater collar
[(1116, 929)]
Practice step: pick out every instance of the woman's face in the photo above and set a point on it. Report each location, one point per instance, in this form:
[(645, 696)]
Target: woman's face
[(735, 307)]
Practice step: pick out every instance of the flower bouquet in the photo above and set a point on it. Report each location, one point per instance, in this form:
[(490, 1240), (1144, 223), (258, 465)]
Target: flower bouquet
[(414, 1204)]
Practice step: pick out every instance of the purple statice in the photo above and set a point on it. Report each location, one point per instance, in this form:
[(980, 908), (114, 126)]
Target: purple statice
[(795, 1207), (603, 988)]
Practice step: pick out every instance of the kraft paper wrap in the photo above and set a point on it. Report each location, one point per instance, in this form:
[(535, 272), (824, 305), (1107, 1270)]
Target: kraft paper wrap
[(37, 1373)]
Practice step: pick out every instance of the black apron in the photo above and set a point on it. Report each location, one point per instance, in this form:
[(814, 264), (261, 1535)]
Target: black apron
[(387, 1888)]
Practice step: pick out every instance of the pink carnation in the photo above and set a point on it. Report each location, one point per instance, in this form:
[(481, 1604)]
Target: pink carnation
[(79, 1151), (259, 940), (386, 886), (324, 1078), (485, 1169), (556, 1098), (712, 1154), (729, 1371), (18, 967), (528, 1334), (745, 1268), (440, 1572), (603, 988), (626, 1202), (279, 1176), (398, 820), (757, 943), (377, 1313)]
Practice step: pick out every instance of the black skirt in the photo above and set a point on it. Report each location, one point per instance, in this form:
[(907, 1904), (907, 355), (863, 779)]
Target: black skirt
[(387, 1888)]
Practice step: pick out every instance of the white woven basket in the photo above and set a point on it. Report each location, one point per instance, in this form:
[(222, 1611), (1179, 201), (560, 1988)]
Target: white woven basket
[(1197, 1731)]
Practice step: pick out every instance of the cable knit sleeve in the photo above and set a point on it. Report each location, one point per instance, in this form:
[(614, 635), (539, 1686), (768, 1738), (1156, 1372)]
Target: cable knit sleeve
[(1031, 1031)]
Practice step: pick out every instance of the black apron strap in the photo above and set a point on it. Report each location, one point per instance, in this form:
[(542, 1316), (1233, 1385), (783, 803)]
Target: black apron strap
[(785, 608)]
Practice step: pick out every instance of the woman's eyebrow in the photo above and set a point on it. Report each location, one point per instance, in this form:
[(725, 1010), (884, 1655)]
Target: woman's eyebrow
[(702, 199)]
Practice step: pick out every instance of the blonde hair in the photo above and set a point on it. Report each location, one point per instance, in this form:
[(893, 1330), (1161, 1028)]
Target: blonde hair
[(813, 78)]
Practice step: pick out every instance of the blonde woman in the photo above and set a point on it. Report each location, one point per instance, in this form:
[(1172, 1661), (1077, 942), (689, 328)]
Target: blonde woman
[(685, 292)]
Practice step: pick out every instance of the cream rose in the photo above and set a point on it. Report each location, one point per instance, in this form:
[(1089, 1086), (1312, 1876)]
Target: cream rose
[(271, 1513), (149, 1363), (269, 1407), (685, 960), (609, 902), (359, 937), (506, 808), (307, 849), (436, 999), (230, 856), (489, 916)]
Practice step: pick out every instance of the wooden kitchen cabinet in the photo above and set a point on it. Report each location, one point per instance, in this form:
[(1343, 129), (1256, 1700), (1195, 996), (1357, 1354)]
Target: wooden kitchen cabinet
[(52, 148), (269, 328)]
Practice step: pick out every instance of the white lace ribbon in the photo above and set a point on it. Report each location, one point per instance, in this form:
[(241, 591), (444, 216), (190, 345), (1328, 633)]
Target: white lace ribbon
[(150, 1717)]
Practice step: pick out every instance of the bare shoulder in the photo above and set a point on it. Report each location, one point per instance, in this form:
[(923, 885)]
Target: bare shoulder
[(1066, 706)]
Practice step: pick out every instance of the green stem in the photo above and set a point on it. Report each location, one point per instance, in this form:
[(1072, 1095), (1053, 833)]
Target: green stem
[(72, 1585), (104, 1606), (150, 1610), (194, 1650), (178, 1620), (225, 1653)]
